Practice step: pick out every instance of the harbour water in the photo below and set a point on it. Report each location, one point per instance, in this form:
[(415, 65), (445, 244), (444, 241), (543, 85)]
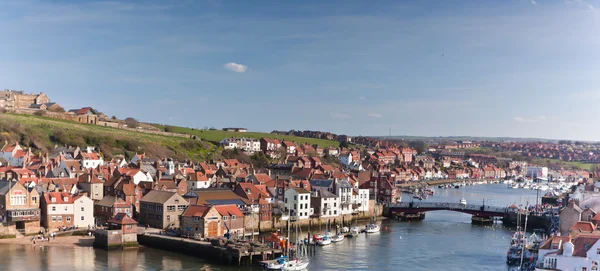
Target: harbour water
[(443, 241)]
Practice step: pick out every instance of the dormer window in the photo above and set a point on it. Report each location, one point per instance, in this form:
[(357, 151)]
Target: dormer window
[(53, 199), (248, 191)]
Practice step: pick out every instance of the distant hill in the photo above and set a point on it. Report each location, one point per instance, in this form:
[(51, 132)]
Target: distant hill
[(471, 138), (43, 133)]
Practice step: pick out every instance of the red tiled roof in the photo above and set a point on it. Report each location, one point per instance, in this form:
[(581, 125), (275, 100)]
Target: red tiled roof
[(122, 219), (582, 244), (196, 210), (228, 210), (583, 226), (59, 198)]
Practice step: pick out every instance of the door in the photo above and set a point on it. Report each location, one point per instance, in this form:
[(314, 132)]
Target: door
[(213, 229)]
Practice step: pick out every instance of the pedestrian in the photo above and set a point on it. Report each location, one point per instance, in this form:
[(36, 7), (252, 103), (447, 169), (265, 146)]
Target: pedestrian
[(34, 241), (89, 233)]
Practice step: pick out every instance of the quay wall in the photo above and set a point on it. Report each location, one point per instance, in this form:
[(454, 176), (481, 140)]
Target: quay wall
[(181, 245)]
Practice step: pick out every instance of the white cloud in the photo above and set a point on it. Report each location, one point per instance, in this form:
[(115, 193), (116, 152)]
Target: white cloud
[(234, 67), (533, 2), (340, 116), (362, 98), (591, 7), (530, 119), (374, 115)]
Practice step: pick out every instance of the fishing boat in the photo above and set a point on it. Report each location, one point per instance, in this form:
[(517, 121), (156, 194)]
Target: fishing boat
[(463, 201), (338, 238)]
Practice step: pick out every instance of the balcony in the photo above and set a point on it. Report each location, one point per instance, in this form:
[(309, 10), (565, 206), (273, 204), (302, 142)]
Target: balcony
[(23, 215)]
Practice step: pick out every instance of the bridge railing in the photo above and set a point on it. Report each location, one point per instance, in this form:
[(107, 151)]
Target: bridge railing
[(448, 206)]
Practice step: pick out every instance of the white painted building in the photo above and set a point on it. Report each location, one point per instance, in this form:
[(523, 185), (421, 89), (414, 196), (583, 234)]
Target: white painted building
[(580, 254), (13, 154), (343, 189), (325, 204), (199, 181), (297, 200), (360, 200), (246, 144), (83, 212), (90, 158)]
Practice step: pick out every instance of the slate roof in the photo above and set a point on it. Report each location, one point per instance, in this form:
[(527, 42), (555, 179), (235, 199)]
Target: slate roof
[(321, 183), (324, 194)]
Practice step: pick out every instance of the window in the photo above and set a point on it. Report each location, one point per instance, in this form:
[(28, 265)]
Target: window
[(335, 204), (53, 208), (68, 219), (18, 199), (34, 200), (82, 218), (66, 208), (53, 218), (598, 251), (180, 207), (171, 208), (285, 200), (335, 212), (584, 269), (82, 209), (129, 227), (59, 218), (295, 197), (225, 218), (233, 217)]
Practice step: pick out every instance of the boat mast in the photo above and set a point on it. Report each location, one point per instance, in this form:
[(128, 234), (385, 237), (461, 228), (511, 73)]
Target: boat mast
[(524, 240)]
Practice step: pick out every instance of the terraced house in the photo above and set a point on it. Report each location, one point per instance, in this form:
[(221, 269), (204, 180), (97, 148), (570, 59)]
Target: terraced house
[(20, 208)]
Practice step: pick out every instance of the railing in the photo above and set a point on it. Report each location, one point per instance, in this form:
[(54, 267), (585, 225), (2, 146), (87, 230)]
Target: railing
[(448, 206)]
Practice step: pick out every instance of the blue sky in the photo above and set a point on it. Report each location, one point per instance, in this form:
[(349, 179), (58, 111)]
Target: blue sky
[(433, 68)]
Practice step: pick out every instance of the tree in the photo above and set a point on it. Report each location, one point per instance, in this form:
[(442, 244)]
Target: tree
[(260, 160), (169, 128), (113, 117), (131, 122), (343, 144)]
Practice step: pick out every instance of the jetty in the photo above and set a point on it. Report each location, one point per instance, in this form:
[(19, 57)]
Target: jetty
[(217, 250)]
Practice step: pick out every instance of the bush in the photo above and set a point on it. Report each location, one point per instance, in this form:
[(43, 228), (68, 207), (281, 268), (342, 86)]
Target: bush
[(131, 122), (57, 109), (40, 113), (169, 129)]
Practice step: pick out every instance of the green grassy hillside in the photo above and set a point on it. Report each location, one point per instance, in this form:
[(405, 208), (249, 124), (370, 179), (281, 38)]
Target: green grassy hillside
[(43, 133), (218, 135)]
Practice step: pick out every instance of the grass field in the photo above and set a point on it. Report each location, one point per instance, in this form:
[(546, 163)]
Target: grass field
[(218, 135), (44, 132)]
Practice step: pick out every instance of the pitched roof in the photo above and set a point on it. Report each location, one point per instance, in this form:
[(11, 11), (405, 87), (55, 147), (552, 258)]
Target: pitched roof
[(110, 201), (582, 244), (583, 226), (229, 210), (155, 196), (300, 190), (559, 240), (59, 198), (325, 194), (122, 219), (196, 210), (219, 196)]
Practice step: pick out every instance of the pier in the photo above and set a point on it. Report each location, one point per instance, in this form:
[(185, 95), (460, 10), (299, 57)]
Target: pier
[(218, 250)]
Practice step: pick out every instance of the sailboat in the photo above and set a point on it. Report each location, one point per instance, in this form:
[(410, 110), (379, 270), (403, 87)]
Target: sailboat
[(374, 227), (298, 264)]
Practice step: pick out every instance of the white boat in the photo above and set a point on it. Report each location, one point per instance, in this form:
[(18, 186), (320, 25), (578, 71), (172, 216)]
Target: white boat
[(463, 201), (373, 228), (338, 238), (354, 230), (324, 241), (345, 230), (295, 265), (278, 263)]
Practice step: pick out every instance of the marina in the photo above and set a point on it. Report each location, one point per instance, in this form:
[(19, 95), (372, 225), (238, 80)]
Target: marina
[(483, 247)]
